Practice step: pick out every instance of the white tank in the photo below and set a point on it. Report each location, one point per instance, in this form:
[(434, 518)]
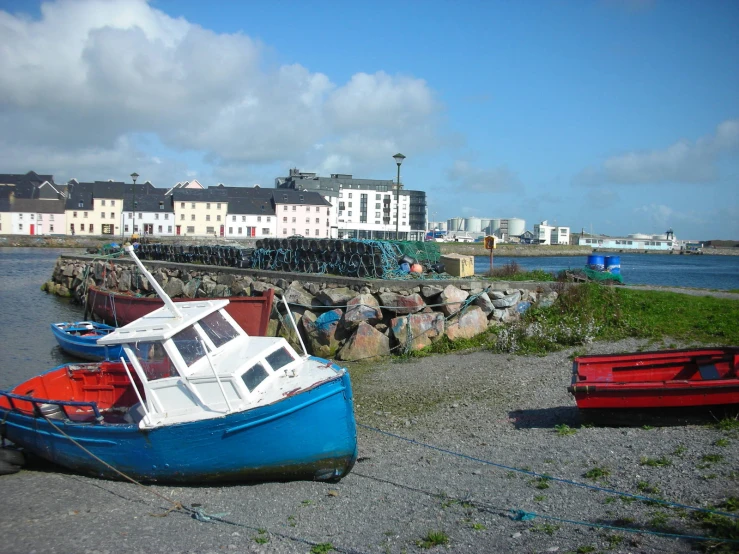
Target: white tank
[(441, 225), (455, 224), (485, 224), (473, 225), (516, 227)]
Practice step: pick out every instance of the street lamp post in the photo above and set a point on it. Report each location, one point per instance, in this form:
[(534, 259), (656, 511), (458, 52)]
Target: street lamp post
[(398, 160), (134, 176)]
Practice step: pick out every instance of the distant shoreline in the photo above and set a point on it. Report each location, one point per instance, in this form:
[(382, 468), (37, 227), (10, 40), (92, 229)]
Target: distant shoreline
[(470, 249)]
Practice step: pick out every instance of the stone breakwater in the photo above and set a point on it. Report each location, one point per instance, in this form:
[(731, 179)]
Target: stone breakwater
[(337, 317)]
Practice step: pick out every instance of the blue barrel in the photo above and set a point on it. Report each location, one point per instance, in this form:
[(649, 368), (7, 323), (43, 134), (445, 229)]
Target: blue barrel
[(596, 263), (613, 264)]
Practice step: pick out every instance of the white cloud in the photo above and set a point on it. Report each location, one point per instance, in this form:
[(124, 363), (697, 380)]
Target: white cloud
[(471, 178), (90, 73), (682, 162), (660, 216)]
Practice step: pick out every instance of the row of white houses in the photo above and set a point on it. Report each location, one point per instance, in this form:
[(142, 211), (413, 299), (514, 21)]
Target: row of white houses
[(33, 204)]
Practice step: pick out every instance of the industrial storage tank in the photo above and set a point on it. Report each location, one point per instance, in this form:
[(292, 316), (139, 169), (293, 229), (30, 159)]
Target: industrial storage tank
[(441, 225), (455, 224), (494, 225), (485, 224), (516, 227), (473, 225)]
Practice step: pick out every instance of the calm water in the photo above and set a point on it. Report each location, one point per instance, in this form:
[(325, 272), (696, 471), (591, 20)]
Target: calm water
[(28, 347), (704, 272)]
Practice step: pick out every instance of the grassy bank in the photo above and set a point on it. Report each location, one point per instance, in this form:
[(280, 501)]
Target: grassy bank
[(592, 312)]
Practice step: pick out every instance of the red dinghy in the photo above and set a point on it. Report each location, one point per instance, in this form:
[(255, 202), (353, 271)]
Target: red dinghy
[(119, 309), (663, 379)]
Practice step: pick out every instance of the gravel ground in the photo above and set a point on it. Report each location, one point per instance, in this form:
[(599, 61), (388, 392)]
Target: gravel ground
[(497, 408)]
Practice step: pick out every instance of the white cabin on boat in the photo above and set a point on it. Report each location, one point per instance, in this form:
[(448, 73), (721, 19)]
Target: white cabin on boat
[(202, 365)]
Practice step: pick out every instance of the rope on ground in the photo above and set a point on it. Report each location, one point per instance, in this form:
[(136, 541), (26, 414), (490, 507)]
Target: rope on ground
[(549, 477)]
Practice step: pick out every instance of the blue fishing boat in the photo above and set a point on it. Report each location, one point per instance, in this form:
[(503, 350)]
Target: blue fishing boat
[(80, 339), (199, 401)]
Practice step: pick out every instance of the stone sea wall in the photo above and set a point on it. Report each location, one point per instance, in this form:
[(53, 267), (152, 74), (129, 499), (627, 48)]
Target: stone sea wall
[(337, 317)]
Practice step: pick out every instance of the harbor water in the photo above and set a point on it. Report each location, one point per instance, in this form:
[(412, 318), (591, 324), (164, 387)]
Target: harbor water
[(29, 348), (702, 272)]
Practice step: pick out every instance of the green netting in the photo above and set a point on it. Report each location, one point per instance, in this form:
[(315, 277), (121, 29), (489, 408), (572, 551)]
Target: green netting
[(424, 252), (594, 275)]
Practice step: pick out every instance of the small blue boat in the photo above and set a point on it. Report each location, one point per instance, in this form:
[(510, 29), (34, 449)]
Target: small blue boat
[(198, 401), (80, 339)]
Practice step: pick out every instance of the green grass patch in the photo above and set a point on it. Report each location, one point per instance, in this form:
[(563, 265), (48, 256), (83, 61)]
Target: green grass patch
[(322, 548), (564, 430), (547, 528), (433, 538), (596, 473), (662, 461)]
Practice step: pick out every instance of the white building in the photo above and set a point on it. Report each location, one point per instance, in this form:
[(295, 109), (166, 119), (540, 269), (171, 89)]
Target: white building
[(637, 241), (551, 234)]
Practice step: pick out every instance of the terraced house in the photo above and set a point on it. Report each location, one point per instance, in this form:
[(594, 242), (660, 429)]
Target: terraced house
[(31, 204)]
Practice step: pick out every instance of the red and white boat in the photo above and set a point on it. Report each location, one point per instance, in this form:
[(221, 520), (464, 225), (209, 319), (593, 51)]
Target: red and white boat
[(662, 379)]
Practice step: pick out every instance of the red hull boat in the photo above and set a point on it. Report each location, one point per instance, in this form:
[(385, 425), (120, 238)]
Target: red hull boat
[(664, 379), (119, 309)]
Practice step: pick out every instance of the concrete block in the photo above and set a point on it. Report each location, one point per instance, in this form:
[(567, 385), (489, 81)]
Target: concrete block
[(458, 265)]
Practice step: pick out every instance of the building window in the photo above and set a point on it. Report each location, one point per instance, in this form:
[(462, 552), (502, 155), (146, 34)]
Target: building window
[(74, 214), (156, 216), (259, 218), (81, 204), (182, 205), (284, 220), (112, 215), (284, 231), (218, 206), (192, 205), (350, 195), (210, 230), (166, 216), (307, 232), (269, 219), (349, 213), (307, 219), (317, 232), (161, 204), (295, 208), (51, 217), (241, 232), (160, 229), (207, 206), (191, 229), (84, 214), (82, 226), (207, 217), (284, 208), (294, 219), (265, 231), (112, 202), (102, 215), (233, 218), (192, 217), (218, 218), (51, 228), (182, 217), (20, 226), (102, 202), (169, 229)]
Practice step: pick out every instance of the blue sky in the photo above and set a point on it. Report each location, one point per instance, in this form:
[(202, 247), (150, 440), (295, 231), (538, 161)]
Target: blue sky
[(616, 116)]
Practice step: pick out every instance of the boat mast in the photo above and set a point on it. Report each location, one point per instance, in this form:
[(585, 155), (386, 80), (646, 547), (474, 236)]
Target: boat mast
[(159, 290)]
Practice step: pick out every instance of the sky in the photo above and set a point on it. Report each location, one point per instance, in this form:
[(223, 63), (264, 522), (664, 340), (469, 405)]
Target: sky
[(612, 116)]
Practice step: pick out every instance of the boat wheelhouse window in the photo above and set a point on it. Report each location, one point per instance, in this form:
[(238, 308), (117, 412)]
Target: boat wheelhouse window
[(218, 329), (190, 345), (154, 360), (279, 358), (253, 376)]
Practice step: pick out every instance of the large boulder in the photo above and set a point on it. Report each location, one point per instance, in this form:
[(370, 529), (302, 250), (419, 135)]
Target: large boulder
[(320, 332), (400, 304), (508, 301), (296, 295), (547, 299), (451, 299), (336, 297), (366, 343), (469, 324), (484, 302), (421, 329), (289, 332), (124, 283), (362, 308), (190, 290), (174, 287)]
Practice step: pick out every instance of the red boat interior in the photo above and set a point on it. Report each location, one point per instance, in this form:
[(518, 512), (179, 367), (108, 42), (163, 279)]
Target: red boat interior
[(105, 383), (659, 367)]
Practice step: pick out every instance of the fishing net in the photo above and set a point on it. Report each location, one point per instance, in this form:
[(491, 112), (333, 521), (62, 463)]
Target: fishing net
[(602, 276)]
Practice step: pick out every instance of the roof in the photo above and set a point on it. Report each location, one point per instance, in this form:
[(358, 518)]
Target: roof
[(161, 324), (255, 205), (24, 205)]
